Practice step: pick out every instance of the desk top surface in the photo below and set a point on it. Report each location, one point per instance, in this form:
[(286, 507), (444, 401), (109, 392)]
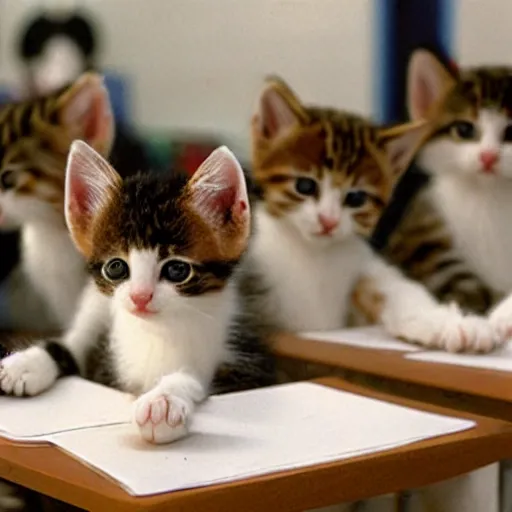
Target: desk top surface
[(492, 384), (50, 471)]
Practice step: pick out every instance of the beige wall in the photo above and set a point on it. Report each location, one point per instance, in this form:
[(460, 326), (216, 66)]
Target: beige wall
[(198, 64), (483, 31)]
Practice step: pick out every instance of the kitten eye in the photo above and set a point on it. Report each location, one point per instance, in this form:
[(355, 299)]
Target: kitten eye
[(507, 136), (306, 186), (355, 198), (176, 271), (464, 130), (7, 180), (116, 269)]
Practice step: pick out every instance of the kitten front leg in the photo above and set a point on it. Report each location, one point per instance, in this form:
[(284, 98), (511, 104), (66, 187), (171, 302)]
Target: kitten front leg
[(35, 369), (163, 413), (501, 318), (407, 310)]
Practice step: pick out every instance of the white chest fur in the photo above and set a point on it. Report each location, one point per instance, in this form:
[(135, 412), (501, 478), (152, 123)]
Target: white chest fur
[(479, 212), (310, 285), (54, 268), (192, 337)]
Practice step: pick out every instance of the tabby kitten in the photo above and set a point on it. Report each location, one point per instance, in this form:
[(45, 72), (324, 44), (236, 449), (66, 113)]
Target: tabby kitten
[(35, 137), (325, 177), (163, 254), (455, 238)]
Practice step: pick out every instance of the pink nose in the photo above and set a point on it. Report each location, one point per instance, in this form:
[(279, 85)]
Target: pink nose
[(141, 299), (488, 159), (327, 223)]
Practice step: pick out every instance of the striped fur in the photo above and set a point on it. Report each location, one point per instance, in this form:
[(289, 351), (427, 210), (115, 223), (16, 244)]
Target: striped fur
[(35, 136), (324, 178), (342, 153), (453, 228), (353, 151)]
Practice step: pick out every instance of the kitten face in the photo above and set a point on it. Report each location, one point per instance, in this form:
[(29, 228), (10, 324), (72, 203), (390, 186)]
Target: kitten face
[(325, 206), (470, 113), (327, 173), (35, 137), (155, 243)]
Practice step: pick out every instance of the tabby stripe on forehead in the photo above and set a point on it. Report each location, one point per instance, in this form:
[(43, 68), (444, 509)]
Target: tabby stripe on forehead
[(5, 112), (52, 111), (329, 143), (6, 135), (22, 120), (38, 111), (5, 122), (491, 89)]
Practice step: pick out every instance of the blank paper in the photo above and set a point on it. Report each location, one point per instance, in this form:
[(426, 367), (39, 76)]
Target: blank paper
[(253, 433), (365, 337), (72, 403)]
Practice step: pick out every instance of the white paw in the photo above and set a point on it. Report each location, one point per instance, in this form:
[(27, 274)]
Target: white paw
[(467, 334), (501, 320), (28, 372), (161, 418), (445, 327)]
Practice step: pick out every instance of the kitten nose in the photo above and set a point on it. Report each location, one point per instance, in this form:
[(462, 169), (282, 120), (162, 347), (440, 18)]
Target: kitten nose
[(141, 299), (327, 223), (488, 159)]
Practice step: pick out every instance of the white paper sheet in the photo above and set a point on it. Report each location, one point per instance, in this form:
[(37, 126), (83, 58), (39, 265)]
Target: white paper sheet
[(72, 403), (254, 433), (364, 337), (500, 359)]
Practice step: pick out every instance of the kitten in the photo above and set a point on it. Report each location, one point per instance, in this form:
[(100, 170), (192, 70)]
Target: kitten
[(325, 177), (163, 255), (35, 137), (455, 237)]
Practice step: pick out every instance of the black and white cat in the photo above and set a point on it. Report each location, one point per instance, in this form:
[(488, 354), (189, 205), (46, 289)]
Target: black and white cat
[(163, 255)]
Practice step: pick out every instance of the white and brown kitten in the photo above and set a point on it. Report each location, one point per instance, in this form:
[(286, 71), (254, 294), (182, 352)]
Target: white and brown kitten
[(455, 236), (163, 255), (43, 291), (325, 177)]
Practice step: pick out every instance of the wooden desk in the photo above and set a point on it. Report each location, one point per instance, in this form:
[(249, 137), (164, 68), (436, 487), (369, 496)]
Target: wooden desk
[(48, 470), (477, 390)]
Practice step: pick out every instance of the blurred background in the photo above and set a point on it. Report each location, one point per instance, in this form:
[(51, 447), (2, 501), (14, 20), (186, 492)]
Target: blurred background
[(184, 74), (183, 70)]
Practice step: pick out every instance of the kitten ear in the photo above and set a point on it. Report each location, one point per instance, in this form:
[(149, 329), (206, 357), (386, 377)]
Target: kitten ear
[(217, 192), (90, 184), (401, 144), (85, 110), (427, 80), (279, 110)]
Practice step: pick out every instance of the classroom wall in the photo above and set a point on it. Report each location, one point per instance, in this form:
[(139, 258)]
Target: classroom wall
[(482, 31), (198, 64)]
